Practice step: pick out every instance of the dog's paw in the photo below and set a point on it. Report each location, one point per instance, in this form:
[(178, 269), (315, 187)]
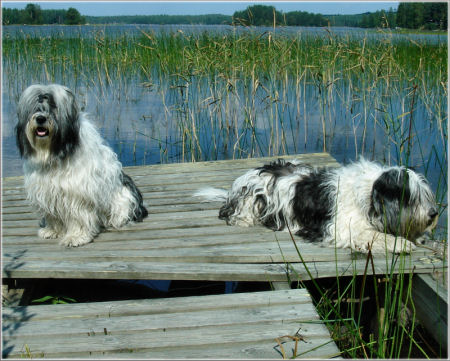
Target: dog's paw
[(48, 233), (388, 242), (119, 220), (402, 245), (74, 241)]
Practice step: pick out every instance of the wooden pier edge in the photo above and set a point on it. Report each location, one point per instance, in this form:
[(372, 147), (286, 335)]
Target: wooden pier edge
[(269, 324), (430, 297)]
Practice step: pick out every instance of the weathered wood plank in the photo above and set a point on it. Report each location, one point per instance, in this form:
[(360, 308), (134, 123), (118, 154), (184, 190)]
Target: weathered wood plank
[(109, 309), (430, 297), (239, 165), (187, 191), (28, 227), (240, 350), (188, 205), (132, 324), (211, 215), (45, 245), (29, 214), (235, 341), (238, 252), (159, 232), (212, 269), (246, 325)]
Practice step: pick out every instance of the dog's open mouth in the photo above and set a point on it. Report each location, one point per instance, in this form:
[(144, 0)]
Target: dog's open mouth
[(41, 132)]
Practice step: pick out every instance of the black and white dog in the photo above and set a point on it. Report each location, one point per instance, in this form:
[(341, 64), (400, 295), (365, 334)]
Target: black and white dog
[(73, 178), (360, 206)]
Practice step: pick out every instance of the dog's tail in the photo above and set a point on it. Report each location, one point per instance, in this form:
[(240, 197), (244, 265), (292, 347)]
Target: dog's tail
[(210, 194)]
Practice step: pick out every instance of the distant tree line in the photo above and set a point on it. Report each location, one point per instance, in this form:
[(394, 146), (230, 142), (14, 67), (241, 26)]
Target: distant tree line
[(263, 15), (431, 16), (378, 19), (34, 15), (211, 19), (411, 15)]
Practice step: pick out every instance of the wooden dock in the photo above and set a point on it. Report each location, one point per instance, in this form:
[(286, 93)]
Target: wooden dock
[(240, 325), (182, 239)]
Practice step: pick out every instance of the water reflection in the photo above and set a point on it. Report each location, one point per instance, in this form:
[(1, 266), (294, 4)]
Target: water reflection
[(87, 31), (173, 120)]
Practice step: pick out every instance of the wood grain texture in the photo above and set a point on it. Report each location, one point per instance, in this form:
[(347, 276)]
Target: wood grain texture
[(242, 325), (430, 296)]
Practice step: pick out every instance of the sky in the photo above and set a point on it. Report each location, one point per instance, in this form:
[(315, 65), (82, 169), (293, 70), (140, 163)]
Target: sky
[(106, 8)]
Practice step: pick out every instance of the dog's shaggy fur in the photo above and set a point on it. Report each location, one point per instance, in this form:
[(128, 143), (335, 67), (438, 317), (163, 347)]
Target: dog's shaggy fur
[(360, 206), (72, 177)]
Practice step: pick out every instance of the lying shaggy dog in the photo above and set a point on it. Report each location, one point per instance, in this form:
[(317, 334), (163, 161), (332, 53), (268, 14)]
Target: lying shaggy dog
[(360, 206), (71, 176)]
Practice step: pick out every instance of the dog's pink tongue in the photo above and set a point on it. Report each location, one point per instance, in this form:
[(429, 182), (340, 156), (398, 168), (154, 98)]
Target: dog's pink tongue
[(41, 133)]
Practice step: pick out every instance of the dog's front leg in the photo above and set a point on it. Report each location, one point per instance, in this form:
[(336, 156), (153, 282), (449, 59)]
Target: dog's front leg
[(81, 230), (380, 242), (121, 208), (52, 227)]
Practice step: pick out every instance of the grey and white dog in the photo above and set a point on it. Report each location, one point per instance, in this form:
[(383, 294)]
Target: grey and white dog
[(360, 206), (73, 178)]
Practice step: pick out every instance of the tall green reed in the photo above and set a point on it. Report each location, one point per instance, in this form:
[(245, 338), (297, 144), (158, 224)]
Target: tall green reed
[(245, 95)]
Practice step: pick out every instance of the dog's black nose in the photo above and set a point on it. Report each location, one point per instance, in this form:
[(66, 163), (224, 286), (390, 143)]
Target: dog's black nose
[(432, 212), (40, 119)]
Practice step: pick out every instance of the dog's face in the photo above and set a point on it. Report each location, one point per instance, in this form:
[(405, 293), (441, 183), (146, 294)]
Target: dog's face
[(48, 123), (403, 203)]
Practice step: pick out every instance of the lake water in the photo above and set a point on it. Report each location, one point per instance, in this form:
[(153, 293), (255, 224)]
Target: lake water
[(87, 31), (148, 124)]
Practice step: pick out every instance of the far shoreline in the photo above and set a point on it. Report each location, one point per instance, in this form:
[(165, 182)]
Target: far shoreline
[(396, 31)]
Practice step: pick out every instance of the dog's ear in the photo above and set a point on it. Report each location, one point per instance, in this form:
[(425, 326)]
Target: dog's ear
[(73, 110), (21, 138), (68, 137), (390, 190), (24, 108)]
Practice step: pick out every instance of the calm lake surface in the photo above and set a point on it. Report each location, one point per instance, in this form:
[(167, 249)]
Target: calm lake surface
[(136, 29), (145, 123)]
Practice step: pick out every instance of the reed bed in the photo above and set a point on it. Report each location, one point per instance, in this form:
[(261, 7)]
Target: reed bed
[(249, 82), (252, 94), (212, 96)]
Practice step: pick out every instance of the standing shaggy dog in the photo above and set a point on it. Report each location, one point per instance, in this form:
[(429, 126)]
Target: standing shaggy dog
[(360, 206), (71, 176)]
